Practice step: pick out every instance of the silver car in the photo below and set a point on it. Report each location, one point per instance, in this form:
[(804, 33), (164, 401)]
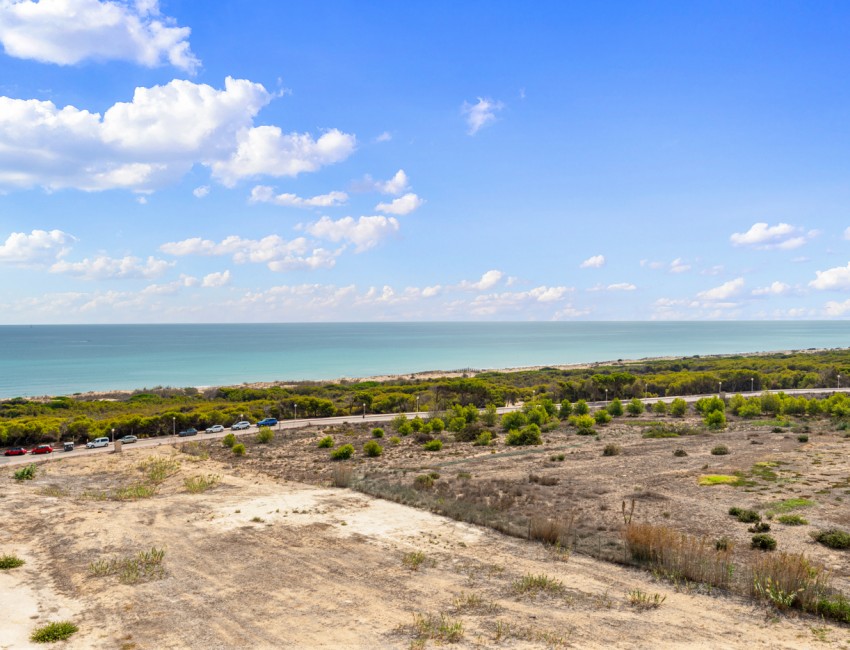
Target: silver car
[(216, 428), (242, 424), (128, 439)]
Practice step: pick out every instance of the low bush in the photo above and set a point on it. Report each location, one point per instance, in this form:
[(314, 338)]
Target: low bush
[(528, 435), (343, 452), (423, 482), (679, 453), (10, 562), (325, 443), (715, 420), (836, 607), (602, 417), (433, 445), (531, 584), (612, 450), (377, 432), (395, 440), (745, 516), (760, 527), (229, 440), (265, 436), (792, 520), (833, 538), (763, 542), (25, 473), (238, 449), (372, 449), (584, 424), (720, 450), (484, 439), (615, 408), (52, 632), (802, 438)]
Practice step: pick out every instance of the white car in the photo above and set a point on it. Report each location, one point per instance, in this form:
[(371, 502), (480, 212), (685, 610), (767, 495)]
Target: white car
[(242, 424), (216, 428), (98, 442)]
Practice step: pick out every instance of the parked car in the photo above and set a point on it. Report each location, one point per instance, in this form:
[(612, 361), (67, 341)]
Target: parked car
[(97, 442), (128, 439), (68, 446), (216, 428), (15, 451), (42, 449), (242, 424), (267, 422), (191, 431)]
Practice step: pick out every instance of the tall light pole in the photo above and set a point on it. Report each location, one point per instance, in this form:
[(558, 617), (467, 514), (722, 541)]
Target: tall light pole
[(752, 384), (417, 403), (719, 388), (173, 426), (606, 398), (364, 411), (295, 406), (113, 435)]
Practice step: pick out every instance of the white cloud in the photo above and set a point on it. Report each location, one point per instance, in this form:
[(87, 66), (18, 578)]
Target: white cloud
[(364, 233), (835, 308), (679, 266), (395, 185), (621, 286), (201, 192), (154, 140), (38, 247), (508, 301), (386, 136), (430, 292), (488, 281), (218, 279), (274, 251), (480, 114), (67, 32), (595, 262), (835, 278), (847, 233), (724, 292), (782, 236), (103, 268), (773, 289), (402, 205), (265, 194), (266, 150)]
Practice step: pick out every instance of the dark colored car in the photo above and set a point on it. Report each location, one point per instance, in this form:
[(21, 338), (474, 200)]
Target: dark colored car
[(188, 432), (267, 422), (42, 449), (15, 451)]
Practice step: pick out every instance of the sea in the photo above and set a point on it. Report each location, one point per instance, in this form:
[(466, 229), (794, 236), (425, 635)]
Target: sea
[(66, 359)]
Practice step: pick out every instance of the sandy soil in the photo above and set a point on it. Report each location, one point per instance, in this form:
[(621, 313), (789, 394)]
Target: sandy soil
[(261, 562)]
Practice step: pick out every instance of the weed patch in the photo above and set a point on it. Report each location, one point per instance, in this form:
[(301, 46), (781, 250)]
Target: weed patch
[(142, 567), (52, 632), (198, 484), (641, 600), (25, 473), (10, 562), (532, 585)]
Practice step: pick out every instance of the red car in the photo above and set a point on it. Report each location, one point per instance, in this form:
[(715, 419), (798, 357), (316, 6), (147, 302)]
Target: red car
[(15, 451), (42, 449)]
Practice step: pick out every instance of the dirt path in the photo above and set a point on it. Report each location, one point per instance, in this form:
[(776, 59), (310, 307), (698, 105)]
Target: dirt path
[(257, 563)]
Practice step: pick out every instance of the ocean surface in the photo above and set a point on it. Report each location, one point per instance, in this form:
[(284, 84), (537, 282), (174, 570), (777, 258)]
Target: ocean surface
[(65, 359)]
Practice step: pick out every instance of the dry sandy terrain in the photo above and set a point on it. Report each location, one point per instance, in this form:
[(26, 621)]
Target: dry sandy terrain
[(259, 561)]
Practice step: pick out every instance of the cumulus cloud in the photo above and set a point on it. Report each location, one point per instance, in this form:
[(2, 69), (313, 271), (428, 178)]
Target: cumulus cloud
[(724, 292), (621, 286), (274, 251), (511, 301), (595, 262), (679, 266), (837, 278), (265, 194), (835, 308), (154, 140), (37, 247), (267, 150), (103, 267), (201, 192), (218, 279), (67, 32), (773, 289), (386, 136), (395, 185), (402, 205), (489, 280), (480, 114), (364, 233), (782, 236)]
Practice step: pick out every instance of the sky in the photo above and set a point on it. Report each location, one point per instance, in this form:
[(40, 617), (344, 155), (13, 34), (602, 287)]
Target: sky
[(266, 161)]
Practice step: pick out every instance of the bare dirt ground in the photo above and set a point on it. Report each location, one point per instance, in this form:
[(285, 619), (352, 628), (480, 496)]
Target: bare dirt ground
[(271, 557)]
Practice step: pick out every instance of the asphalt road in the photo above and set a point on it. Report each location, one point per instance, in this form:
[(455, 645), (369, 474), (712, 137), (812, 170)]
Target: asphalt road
[(81, 451)]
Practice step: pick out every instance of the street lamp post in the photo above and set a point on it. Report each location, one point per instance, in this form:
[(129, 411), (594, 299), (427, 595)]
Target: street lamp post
[(173, 426), (295, 406), (113, 435), (606, 398), (417, 403), (839, 381), (752, 384), (364, 411), (719, 388)]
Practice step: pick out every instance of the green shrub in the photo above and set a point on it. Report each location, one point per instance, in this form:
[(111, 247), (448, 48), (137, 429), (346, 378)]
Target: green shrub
[(584, 424), (602, 417), (715, 420), (679, 453), (229, 440), (395, 440), (238, 449), (612, 450), (405, 429), (265, 436), (437, 425), (343, 452), (720, 450), (745, 516), (581, 408), (433, 445), (528, 435), (760, 527), (660, 408), (802, 438), (763, 542), (377, 432), (635, 407), (325, 443), (52, 632), (10, 562), (25, 473), (678, 408), (792, 520), (615, 408), (514, 420), (833, 538), (423, 482), (198, 484), (835, 606), (373, 449), (484, 439), (566, 410)]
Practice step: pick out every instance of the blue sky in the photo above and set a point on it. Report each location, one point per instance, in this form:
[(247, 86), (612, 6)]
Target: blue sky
[(187, 161)]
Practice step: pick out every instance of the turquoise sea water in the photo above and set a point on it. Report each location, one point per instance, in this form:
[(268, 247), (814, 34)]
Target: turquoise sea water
[(63, 359)]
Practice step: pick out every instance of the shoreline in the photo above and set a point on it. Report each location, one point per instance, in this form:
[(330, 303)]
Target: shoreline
[(425, 375)]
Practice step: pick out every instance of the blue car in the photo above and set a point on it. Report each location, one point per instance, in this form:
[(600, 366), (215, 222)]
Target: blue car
[(267, 422)]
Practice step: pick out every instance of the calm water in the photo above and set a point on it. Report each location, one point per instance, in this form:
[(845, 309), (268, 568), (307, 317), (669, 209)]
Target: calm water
[(61, 359)]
